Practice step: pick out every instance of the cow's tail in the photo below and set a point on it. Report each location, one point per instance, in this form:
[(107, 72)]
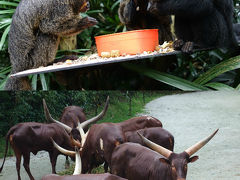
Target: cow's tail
[(6, 148)]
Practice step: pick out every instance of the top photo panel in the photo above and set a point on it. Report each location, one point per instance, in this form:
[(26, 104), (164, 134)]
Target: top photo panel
[(119, 45)]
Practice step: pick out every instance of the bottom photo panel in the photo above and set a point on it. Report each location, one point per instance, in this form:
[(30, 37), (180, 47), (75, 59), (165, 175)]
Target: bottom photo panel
[(119, 135)]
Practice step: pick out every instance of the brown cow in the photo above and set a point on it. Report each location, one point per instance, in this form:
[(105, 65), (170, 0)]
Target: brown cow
[(33, 137), (133, 161), (157, 135), (72, 118), (103, 138)]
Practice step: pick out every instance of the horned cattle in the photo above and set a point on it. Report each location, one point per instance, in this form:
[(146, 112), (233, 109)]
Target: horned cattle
[(133, 161), (157, 135), (104, 137), (73, 117), (33, 137), (78, 169)]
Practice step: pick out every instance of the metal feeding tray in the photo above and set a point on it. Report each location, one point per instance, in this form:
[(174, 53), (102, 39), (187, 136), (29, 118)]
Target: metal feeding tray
[(88, 61)]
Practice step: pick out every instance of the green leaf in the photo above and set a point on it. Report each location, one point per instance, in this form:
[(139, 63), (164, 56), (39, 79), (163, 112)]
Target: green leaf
[(9, 11), (115, 5), (219, 86), (34, 82), (2, 83), (43, 82), (238, 87), (227, 65), (3, 39), (8, 3), (166, 78)]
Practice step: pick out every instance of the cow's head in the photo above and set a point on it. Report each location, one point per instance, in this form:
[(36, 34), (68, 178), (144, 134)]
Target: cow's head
[(76, 154), (77, 133), (177, 162)]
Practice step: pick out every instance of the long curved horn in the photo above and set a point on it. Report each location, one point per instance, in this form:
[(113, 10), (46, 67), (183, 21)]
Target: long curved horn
[(193, 149), (62, 150), (82, 133), (98, 117), (161, 150), (75, 142), (49, 118), (78, 163)]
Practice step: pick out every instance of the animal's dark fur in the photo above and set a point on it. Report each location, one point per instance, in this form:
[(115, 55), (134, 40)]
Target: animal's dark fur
[(33, 137), (199, 24), (157, 135), (36, 28), (133, 161), (142, 19), (112, 135)]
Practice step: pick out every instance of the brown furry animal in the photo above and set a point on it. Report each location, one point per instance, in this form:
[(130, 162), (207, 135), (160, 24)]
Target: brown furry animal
[(36, 28)]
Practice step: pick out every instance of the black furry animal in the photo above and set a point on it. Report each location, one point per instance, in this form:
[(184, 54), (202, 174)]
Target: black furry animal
[(236, 28), (134, 14), (199, 23), (36, 28)]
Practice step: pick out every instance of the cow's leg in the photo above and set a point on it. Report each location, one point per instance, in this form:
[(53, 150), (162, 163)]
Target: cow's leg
[(26, 159), (18, 162), (53, 160), (105, 167), (67, 163)]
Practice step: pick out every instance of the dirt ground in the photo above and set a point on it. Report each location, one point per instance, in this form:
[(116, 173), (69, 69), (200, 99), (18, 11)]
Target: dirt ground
[(189, 117)]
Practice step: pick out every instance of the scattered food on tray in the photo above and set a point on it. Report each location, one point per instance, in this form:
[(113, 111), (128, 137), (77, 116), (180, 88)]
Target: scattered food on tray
[(115, 53), (105, 54), (68, 62), (166, 47)]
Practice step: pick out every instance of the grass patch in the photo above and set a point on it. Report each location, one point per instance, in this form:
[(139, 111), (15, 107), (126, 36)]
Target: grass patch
[(122, 109)]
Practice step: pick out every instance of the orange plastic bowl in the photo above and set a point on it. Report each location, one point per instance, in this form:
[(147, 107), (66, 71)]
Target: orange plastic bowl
[(130, 42)]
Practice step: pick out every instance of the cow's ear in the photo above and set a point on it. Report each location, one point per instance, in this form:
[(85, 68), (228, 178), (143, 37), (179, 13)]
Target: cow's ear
[(163, 160), (193, 159)]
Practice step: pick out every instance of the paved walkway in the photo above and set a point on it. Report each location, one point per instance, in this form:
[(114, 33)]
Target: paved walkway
[(192, 116)]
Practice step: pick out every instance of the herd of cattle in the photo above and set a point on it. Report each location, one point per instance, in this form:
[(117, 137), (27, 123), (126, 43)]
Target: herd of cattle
[(135, 149)]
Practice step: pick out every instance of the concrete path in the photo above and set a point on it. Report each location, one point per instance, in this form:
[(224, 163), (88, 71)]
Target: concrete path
[(193, 116), (40, 165)]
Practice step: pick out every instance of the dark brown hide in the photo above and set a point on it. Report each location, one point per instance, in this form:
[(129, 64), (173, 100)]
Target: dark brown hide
[(133, 161), (72, 115), (105, 176), (157, 135), (33, 137), (112, 134)]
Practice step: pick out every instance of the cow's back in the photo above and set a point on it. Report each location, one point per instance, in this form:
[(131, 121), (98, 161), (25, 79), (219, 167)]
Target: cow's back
[(140, 122)]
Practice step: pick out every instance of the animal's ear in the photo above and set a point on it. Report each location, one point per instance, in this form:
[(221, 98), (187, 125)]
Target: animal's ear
[(163, 160), (193, 159)]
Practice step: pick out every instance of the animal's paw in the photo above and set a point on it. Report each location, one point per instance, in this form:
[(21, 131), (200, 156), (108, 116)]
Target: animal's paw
[(178, 44), (188, 47), (90, 21)]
